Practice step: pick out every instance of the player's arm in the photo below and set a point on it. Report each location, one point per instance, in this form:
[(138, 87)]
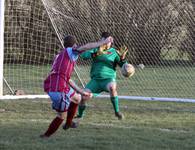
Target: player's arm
[(75, 86), (92, 45), (120, 61), (78, 89), (91, 54), (87, 54)]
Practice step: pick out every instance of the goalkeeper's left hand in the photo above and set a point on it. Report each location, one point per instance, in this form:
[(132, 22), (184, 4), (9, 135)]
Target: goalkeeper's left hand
[(122, 52)]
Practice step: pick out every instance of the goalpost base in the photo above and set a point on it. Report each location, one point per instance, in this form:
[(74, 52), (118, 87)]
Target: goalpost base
[(162, 99)]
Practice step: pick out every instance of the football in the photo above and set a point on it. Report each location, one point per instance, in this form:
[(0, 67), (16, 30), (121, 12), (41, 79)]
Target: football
[(127, 70)]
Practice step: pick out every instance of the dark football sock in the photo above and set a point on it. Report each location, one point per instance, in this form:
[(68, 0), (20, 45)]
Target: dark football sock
[(81, 110), (115, 103), (71, 113), (53, 126)]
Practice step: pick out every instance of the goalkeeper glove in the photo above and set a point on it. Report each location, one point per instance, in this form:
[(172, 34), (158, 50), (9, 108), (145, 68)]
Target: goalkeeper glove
[(122, 51), (102, 50)]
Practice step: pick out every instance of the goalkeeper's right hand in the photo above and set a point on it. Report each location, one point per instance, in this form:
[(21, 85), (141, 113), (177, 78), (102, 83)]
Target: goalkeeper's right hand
[(102, 50)]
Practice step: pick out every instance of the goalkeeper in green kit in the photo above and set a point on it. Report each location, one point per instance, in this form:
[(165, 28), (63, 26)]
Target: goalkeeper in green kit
[(103, 74)]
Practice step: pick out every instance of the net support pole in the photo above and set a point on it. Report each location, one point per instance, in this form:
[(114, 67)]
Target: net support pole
[(2, 4), (56, 31)]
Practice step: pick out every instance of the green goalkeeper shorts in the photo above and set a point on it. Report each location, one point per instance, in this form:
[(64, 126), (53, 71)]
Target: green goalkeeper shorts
[(96, 86)]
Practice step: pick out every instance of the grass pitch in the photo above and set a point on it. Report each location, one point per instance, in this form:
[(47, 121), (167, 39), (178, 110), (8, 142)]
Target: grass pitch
[(152, 81), (147, 126)]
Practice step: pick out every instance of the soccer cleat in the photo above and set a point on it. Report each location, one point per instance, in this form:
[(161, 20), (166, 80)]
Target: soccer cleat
[(78, 117), (66, 126), (76, 121), (73, 125), (43, 136), (119, 115)]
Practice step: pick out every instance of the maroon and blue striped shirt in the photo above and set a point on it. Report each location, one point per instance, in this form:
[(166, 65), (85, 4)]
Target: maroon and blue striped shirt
[(62, 68)]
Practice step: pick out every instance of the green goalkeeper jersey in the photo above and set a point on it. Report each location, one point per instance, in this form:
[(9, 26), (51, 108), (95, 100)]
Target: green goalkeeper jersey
[(103, 66)]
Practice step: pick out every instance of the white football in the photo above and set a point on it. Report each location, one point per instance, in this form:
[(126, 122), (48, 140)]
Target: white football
[(127, 70)]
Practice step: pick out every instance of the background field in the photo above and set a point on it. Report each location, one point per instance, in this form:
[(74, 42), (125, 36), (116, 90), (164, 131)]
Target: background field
[(169, 81), (158, 34), (147, 126)]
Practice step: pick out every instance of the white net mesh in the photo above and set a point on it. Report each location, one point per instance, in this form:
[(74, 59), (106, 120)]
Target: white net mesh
[(159, 35), (30, 43)]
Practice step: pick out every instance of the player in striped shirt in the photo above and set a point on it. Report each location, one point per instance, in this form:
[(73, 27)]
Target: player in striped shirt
[(63, 92)]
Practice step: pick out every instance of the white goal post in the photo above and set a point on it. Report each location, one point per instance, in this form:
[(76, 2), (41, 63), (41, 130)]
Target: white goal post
[(1, 45), (159, 35)]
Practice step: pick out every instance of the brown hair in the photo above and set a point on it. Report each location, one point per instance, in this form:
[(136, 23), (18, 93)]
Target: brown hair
[(69, 41), (105, 35)]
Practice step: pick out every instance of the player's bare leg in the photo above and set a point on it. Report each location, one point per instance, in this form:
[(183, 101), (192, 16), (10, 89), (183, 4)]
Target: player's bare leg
[(81, 110), (72, 111), (82, 105), (112, 88)]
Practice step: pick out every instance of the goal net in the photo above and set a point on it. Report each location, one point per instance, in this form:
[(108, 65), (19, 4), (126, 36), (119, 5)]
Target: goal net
[(159, 36)]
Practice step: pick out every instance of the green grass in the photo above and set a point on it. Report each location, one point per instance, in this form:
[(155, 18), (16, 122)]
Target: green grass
[(147, 126), (166, 81)]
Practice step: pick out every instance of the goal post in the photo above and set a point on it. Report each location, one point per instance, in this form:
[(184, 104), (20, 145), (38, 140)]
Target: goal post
[(159, 35), (1, 45)]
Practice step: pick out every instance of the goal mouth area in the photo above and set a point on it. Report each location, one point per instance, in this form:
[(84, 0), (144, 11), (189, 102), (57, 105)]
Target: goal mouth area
[(160, 43)]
